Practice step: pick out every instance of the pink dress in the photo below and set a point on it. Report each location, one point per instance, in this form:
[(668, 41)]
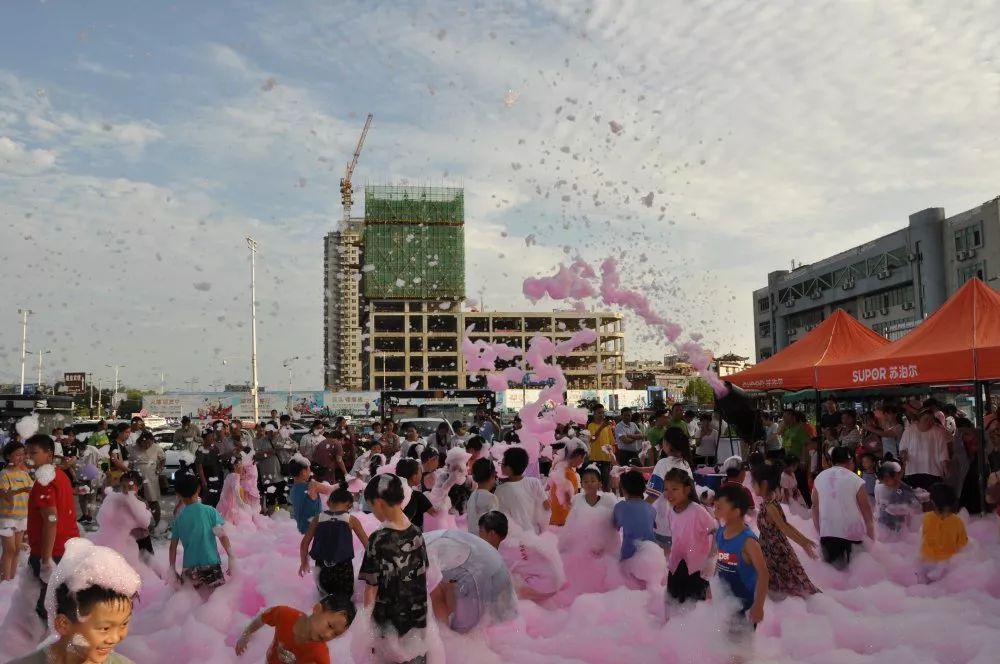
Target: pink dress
[(239, 501)]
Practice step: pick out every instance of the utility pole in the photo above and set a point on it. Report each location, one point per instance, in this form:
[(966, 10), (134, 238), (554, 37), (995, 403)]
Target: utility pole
[(116, 367), (24, 340), (90, 384), (162, 383), (252, 244), (100, 388), (40, 354), (288, 365)]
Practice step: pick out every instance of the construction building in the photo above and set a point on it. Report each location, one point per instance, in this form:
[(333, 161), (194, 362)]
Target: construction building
[(416, 344), (395, 283), (891, 283)]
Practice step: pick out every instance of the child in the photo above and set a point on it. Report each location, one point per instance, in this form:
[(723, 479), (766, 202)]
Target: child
[(943, 532), (736, 474), (90, 604), (299, 637), (785, 572), (482, 500), (51, 513), (124, 518), (869, 473), (692, 536), (305, 503), (740, 561), (564, 483), (676, 448), (15, 485), (634, 516), (239, 501), (430, 461), (895, 503), (521, 498), (395, 568), (332, 545), (419, 504), (197, 527)]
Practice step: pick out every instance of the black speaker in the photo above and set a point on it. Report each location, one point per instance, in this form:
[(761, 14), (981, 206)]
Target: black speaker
[(737, 409)]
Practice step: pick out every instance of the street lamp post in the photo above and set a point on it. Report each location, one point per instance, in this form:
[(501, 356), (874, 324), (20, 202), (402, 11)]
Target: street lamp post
[(252, 245), (40, 354), (100, 388), (288, 365), (90, 404), (24, 340)]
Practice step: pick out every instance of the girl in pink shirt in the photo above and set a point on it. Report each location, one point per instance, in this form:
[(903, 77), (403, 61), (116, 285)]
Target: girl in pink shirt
[(692, 529)]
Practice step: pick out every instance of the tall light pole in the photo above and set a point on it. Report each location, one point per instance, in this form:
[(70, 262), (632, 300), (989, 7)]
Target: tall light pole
[(288, 365), (116, 367), (252, 244), (24, 340), (100, 388), (90, 384), (162, 374), (40, 354)]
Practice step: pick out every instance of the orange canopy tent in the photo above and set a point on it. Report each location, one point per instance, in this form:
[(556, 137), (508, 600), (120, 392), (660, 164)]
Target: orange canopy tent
[(960, 342), (838, 337)]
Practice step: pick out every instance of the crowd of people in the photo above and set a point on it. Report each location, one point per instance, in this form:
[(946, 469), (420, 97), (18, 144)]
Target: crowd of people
[(677, 500)]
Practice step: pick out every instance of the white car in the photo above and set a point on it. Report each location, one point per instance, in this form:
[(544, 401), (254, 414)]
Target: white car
[(425, 426)]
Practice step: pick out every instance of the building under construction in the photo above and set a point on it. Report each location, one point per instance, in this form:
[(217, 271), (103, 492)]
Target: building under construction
[(395, 282)]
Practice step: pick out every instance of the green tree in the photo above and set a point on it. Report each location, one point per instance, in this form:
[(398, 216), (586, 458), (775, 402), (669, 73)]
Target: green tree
[(700, 391)]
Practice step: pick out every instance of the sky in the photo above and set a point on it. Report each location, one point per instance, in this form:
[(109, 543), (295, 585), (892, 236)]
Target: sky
[(702, 144)]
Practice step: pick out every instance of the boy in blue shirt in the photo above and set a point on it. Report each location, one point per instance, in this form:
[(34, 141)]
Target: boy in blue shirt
[(740, 562), (196, 527), (634, 516), (305, 505)]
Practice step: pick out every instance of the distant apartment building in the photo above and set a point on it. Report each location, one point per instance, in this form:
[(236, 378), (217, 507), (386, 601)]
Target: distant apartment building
[(891, 283)]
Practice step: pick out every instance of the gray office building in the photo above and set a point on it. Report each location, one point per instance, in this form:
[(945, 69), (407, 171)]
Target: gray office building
[(891, 283)]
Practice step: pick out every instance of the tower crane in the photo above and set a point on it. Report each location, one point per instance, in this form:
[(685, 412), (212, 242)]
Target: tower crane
[(346, 189)]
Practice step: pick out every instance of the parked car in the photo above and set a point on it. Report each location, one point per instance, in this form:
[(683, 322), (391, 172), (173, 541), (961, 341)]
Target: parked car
[(425, 425)]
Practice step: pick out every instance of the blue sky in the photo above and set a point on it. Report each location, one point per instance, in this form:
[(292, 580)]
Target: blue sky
[(140, 142)]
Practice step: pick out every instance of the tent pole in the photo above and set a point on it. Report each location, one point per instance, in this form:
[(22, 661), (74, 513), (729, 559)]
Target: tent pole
[(981, 388)]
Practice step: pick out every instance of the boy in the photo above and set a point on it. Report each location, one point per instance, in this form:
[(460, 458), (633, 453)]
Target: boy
[(395, 568), (943, 534), (560, 509), (634, 516), (482, 500), (736, 475), (301, 637), (740, 560), (93, 619), (305, 504), (197, 527), (419, 504), (51, 514), (521, 497), (536, 575)]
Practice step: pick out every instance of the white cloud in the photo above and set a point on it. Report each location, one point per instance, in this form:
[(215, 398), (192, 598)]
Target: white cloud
[(16, 159), (91, 67)]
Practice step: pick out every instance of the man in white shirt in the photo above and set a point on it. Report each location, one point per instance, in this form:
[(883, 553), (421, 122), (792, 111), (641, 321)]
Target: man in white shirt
[(309, 441), (772, 440), (707, 449), (628, 438), (923, 450), (841, 511)]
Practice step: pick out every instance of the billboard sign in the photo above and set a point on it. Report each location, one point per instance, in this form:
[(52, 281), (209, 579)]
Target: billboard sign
[(76, 383)]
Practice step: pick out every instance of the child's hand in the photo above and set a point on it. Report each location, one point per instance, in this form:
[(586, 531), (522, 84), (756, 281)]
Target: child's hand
[(241, 644), (231, 568), (304, 568), (756, 614), (810, 548)]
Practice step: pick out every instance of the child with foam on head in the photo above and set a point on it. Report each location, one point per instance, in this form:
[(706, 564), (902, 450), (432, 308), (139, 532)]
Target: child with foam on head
[(51, 513), (522, 498), (239, 501), (676, 448), (395, 569), (482, 500), (124, 519), (692, 538), (329, 541), (787, 577), (535, 566), (15, 485), (89, 604), (943, 534), (196, 528), (300, 637), (740, 562), (895, 503)]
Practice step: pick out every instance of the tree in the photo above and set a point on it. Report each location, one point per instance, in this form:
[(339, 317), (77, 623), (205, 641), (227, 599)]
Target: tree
[(700, 391), (590, 403)]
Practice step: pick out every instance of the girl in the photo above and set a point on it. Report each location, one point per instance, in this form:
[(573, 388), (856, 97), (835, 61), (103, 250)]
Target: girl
[(591, 506), (395, 568), (895, 503), (300, 637), (676, 450), (869, 473), (786, 576), (240, 497), (789, 492), (149, 460), (15, 485), (692, 535), (943, 532), (329, 542)]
